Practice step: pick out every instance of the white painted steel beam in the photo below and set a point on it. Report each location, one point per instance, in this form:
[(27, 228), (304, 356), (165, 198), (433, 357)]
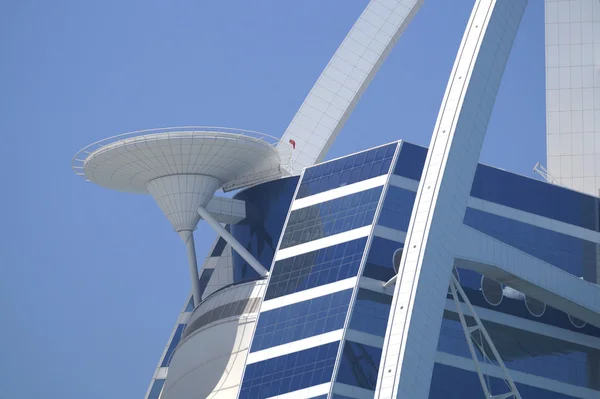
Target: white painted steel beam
[(420, 293), (239, 248), (531, 276), (348, 74)]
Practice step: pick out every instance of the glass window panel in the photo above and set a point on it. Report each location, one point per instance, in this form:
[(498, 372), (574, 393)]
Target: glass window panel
[(444, 385), (379, 262), (301, 320), (359, 365), (327, 218), (397, 208), (289, 372), (527, 352), (371, 311), (341, 172), (157, 387), (174, 342), (267, 207), (301, 272)]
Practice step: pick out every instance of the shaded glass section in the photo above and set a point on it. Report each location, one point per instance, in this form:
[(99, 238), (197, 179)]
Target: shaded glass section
[(301, 320), (219, 246), (397, 208), (379, 262), (515, 191), (267, 206), (347, 170), (454, 383), (359, 365), (571, 254), (410, 161), (471, 283), (157, 387), (371, 312), (289, 372), (173, 345), (204, 279), (190, 305), (527, 352), (331, 217), (316, 268)]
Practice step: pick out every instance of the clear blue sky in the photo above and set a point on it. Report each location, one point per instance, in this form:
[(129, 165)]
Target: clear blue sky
[(92, 280)]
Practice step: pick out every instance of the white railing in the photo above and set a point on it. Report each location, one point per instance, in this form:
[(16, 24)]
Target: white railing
[(284, 150)]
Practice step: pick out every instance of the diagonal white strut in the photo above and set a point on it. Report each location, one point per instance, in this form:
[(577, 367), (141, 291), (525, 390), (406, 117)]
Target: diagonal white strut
[(348, 74), (456, 289)]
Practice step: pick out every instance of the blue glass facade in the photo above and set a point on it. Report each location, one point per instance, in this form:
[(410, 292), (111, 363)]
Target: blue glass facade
[(174, 342), (454, 383), (571, 254), (379, 261), (371, 312), (359, 365), (267, 206), (347, 170), (331, 217), (289, 372), (515, 191), (368, 311), (157, 387), (316, 268), (527, 352), (301, 320)]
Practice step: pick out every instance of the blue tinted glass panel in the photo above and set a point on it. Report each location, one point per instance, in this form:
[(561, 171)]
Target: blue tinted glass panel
[(316, 268), (204, 279), (454, 383), (359, 365), (379, 262), (410, 161), (514, 191), (331, 217), (190, 305), (218, 249), (347, 170), (527, 352), (371, 311), (534, 196), (267, 206), (173, 345), (336, 396), (301, 320), (156, 389), (396, 209), (289, 372), (571, 254), (471, 283)]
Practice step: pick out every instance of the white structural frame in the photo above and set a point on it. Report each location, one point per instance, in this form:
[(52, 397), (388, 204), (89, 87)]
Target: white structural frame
[(355, 63), (235, 244), (412, 334)]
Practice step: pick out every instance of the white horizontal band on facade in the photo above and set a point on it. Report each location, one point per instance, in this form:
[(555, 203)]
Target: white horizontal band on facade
[(352, 391), (531, 326), (364, 338), (518, 376), (308, 294), (323, 243), (310, 392), (389, 234), (339, 192), (295, 346), (375, 285), (512, 213)]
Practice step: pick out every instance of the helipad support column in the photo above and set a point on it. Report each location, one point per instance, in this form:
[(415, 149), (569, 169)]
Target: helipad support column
[(425, 269)]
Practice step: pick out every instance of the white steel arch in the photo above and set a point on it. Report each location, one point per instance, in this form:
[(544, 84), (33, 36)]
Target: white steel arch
[(422, 285), (348, 74)]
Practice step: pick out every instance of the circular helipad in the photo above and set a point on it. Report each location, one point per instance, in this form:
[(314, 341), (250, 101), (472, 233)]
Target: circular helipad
[(236, 158)]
